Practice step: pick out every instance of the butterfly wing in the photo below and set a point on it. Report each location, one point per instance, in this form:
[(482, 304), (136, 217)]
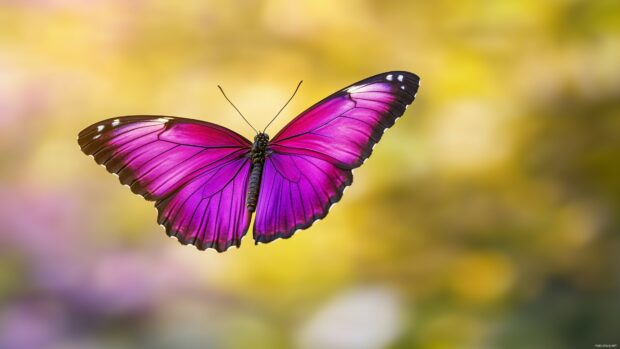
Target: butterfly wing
[(295, 191), (312, 157), (196, 172)]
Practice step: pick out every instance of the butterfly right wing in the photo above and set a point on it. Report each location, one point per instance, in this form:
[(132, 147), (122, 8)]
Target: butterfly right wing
[(197, 173), (295, 191), (311, 159)]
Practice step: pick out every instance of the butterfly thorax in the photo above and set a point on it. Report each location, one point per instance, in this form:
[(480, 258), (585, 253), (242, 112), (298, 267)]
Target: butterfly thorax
[(259, 148), (257, 155)]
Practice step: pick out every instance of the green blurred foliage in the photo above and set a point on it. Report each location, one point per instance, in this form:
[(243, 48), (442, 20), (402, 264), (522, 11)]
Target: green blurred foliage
[(490, 211)]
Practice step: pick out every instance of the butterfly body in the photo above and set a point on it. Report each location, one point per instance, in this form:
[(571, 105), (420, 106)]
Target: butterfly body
[(207, 181), (257, 155)]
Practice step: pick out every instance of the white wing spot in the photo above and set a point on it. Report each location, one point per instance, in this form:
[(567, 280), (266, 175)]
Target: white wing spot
[(400, 78), (389, 77), (115, 122), (402, 87), (163, 120), (100, 128), (97, 136)]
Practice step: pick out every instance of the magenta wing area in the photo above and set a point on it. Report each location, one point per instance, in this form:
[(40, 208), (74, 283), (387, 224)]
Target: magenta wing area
[(196, 172), (313, 156), (295, 191)]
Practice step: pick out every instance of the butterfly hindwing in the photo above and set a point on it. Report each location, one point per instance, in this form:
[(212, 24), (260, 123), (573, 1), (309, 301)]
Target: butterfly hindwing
[(210, 212), (197, 173), (295, 191), (324, 144)]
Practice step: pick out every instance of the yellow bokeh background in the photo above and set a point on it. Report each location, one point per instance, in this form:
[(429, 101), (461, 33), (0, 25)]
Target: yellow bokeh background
[(487, 217)]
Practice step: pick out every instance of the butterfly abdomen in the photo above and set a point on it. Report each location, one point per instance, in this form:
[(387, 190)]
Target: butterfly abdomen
[(257, 155), (253, 186)]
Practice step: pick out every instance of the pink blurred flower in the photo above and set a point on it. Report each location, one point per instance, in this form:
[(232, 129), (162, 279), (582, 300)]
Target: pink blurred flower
[(30, 325), (63, 260)]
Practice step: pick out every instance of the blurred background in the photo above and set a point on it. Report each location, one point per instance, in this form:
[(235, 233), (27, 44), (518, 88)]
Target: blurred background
[(488, 217)]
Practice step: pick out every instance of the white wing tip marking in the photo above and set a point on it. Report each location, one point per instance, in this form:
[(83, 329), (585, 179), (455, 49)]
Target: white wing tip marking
[(100, 128), (402, 87), (400, 77), (389, 77), (115, 122), (163, 120), (97, 136)]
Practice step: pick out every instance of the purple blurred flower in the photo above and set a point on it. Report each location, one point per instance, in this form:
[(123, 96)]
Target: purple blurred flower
[(30, 325), (48, 230), (122, 282)]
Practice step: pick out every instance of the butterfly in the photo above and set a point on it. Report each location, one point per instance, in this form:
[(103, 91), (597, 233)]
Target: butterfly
[(207, 181)]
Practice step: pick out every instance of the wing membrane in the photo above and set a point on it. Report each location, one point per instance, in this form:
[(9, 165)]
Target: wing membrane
[(197, 173), (295, 191), (345, 126), (312, 157)]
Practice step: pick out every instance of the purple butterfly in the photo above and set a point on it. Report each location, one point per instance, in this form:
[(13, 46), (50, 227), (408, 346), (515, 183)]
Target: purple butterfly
[(207, 180)]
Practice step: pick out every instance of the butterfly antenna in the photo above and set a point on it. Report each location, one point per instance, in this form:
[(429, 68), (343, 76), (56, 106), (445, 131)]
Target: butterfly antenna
[(285, 104), (231, 103)]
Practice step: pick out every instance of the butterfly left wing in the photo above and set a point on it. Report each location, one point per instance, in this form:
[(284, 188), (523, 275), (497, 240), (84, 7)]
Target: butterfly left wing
[(312, 157), (197, 173)]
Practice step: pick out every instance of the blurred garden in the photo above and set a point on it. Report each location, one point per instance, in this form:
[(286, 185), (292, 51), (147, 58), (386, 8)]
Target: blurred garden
[(487, 217)]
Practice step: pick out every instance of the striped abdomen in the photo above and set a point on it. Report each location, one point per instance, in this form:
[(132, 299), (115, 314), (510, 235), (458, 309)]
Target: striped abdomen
[(257, 155), (253, 186)]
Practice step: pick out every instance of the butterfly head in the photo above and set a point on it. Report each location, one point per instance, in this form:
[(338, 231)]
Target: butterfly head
[(261, 139)]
